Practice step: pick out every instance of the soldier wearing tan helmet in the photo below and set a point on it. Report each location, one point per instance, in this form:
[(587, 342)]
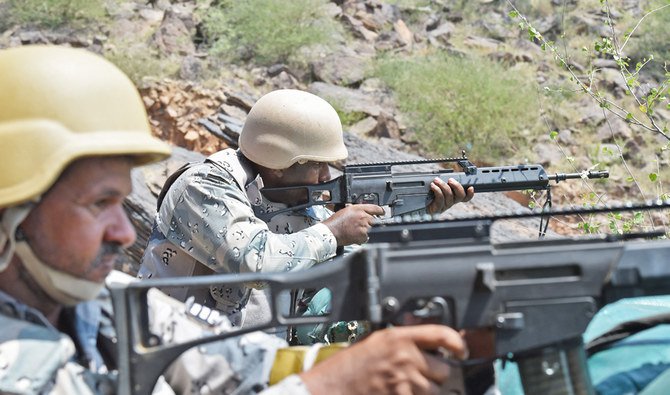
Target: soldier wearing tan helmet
[(207, 222), (46, 125), (72, 126), (290, 126)]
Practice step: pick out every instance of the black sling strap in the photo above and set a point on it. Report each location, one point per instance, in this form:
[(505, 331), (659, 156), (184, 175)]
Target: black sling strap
[(173, 177), (170, 180), (624, 330)]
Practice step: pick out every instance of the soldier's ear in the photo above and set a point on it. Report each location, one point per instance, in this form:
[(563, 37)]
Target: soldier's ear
[(271, 177), (277, 173)]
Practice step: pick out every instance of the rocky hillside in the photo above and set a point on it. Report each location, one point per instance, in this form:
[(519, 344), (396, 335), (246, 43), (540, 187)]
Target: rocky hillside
[(198, 101)]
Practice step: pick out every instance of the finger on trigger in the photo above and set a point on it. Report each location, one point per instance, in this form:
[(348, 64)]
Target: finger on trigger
[(435, 368)]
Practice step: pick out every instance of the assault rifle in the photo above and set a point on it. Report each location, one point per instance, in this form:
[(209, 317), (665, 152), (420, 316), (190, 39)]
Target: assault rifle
[(405, 192), (536, 296)]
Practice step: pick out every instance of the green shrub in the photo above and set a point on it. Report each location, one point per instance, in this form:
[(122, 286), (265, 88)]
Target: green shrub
[(348, 119), (54, 13), (456, 103), (141, 63), (268, 31)]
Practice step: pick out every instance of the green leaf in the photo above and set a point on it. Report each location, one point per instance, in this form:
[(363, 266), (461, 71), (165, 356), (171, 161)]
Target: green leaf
[(553, 135), (653, 177), (513, 14), (638, 217), (613, 227), (630, 179)]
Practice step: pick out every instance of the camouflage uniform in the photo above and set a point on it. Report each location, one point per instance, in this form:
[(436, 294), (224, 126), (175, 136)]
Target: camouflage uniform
[(206, 224), (35, 358)]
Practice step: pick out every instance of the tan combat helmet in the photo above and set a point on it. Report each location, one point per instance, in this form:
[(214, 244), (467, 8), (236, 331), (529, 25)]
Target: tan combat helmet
[(288, 126), (58, 104)]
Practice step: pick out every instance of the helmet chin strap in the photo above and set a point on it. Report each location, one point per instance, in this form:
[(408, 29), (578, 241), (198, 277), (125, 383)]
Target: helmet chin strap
[(62, 287), (9, 221)]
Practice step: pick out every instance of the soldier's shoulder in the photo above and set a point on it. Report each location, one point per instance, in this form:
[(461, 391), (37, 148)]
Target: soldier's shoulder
[(31, 355)]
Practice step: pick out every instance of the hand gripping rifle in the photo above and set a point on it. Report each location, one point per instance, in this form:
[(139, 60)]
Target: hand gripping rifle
[(536, 296), (405, 192)]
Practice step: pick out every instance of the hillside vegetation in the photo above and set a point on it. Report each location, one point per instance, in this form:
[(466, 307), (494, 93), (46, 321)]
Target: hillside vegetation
[(571, 85)]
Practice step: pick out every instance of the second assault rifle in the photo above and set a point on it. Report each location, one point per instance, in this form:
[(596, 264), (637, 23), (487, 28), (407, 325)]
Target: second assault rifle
[(405, 192), (537, 297)]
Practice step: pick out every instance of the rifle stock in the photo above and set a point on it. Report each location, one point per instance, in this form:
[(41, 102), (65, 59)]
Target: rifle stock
[(536, 296), (405, 192)]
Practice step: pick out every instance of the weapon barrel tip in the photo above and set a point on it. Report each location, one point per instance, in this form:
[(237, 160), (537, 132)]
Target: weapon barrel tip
[(584, 175), (599, 174)]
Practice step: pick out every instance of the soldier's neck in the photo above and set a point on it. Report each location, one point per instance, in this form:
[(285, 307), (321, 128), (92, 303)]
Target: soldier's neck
[(16, 282)]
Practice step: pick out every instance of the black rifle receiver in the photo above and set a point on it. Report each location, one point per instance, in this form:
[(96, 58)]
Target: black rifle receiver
[(537, 296), (405, 192)]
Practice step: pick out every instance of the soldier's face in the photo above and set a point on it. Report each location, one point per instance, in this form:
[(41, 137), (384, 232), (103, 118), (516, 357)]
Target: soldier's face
[(80, 226), (309, 173), (305, 174)]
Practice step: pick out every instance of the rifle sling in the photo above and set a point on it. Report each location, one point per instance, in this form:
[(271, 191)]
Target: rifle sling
[(176, 174), (624, 330)]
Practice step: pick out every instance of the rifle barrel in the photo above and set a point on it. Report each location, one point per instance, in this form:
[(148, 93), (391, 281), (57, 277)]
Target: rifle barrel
[(591, 174)]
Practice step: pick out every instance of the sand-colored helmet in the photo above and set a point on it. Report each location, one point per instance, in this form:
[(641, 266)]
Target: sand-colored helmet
[(288, 126), (58, 104)]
